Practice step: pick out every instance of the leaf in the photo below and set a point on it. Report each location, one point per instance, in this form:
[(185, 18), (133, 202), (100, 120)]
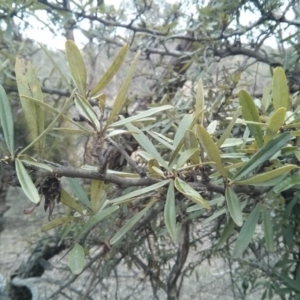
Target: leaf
[(76, 67), (265, 177), (85, 109), (263, 154), (112, 70), (190, 193), (226, 233), (142, 115), (120, 100), (215, 215), (79, 192), (183, 126), (6, 119), (69, 201), (275, 122), (26, 183), (234, 206), (200, 100), (170, 212), (57, 222), (146, 144), (190, 141), (36, 164), (246, 232), (76, 259), (95, 219), (211, 149), (98, 194), (28, 85), (250, 113), (268, 230), (280, 89), (130, 223), (139, 192), (228, 129), (186, 155)]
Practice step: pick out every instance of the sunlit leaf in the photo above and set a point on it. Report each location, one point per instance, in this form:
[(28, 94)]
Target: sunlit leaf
[(268, 230), (130, 224), (246, 232), (70, 202), (112, 70), (98, 195), (26, 183), (186, 155), (263, 154), (250, 113), (274, 124), (57, 222), (76, 67), (234, 206), (6, 120), (76, 259), (28, 85), (182, 127), (170, 212), (211, 149), (190, 141), (280, 89)]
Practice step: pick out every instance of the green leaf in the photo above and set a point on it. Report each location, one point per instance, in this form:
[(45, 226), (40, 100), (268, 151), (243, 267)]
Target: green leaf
[(98, 195), (246, 232), (121, 97), (200, 100), (76, 259), (234, 206), (268, 230), (170, 212), (186, 155), (28, 85), (78, 191), (26, 183), (275, 122), (183, 126), (215, 215), (69, 201), (6, 119), (263, 154), (95, 219), (142, 115), (226, 233), (265, 177), (146, 144), (290, 282), (130, 223), (211, 149), (36, 164), (112, 70), (190, 141), (227, 131), (190, 193), (76, 67), (138, 192), (85, 109), (250, 113), (57, 222), (280, 89)]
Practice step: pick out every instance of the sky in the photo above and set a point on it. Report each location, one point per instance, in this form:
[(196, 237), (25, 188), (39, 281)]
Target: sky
[(55, 41)]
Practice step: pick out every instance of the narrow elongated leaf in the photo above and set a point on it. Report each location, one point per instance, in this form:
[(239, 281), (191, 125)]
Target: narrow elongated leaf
[(280, 89), (290, 282), (190, 193), (139, 192), (228, 129), (76, 67), (28, 85), (142, 115), (121, 97), (76, 259), (211, 149), (186, 155), (250, 113), (36, 164), (130, 224), (170, 212), (263, 154), (26, 183), (226, 233), (268, 230), (6, 120), (246, 232), (183, 126), (234, 206), (265, 177), (95, 219), (275, 122), (69, 201), (78, 191), (97, 194), (112, 70), (215, 215), (200, 100), (190, 141), (146, 144), (57, 222)]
